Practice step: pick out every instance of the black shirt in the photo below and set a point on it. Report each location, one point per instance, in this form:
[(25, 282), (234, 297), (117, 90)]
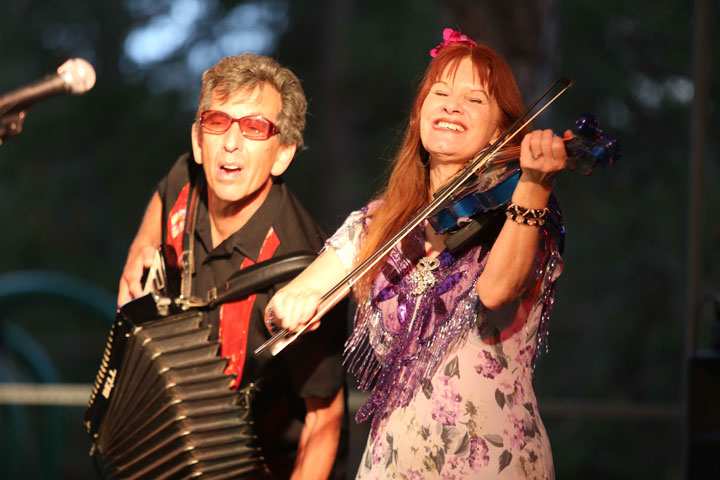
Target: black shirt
[(311, 366)]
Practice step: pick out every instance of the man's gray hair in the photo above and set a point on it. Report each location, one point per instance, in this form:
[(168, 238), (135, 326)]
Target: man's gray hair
[(247, 71)]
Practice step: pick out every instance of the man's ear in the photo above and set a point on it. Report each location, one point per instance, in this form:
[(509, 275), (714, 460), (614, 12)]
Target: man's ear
[(197, 151), (284, 158)]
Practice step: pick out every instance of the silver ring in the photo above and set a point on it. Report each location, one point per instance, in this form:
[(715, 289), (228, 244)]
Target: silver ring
[(536, 156)]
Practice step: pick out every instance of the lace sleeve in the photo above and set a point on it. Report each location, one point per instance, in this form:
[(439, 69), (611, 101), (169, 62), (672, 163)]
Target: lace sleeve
[(346, 240)]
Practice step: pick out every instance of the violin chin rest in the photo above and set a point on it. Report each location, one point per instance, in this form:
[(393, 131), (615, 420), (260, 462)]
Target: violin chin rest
[(482, 229)]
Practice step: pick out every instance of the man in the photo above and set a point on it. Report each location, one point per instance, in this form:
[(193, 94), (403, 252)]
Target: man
[(249, 124)]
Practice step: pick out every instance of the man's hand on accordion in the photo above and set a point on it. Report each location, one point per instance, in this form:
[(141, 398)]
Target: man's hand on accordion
[(142, 252), (132, 283)]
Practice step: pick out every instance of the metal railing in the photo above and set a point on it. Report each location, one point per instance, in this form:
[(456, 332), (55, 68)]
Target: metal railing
[(29, 288)]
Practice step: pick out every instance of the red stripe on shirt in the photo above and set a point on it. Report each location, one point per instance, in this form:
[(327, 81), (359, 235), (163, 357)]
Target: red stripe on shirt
[(176, 222), (235, 317)]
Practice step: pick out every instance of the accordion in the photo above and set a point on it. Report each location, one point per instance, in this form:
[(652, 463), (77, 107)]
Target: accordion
[(161, 406)]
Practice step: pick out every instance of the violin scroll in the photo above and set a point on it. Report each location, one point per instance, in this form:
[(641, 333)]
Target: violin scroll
[(591, 147)]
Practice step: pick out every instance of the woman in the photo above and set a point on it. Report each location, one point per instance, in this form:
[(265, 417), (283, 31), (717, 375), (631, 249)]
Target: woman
[(448, 340)]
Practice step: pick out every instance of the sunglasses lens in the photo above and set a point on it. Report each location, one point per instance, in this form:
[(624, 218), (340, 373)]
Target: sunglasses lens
[(256, 128), (216, 122)]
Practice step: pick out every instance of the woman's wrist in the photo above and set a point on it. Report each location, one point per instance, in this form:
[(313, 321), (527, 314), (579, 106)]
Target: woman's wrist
[(531, 194), (526, 216)]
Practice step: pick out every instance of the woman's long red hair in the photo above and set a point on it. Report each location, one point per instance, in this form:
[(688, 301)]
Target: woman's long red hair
[(407, 189)]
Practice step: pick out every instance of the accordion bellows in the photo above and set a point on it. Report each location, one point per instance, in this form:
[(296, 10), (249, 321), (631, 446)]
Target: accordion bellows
[(161, 407)]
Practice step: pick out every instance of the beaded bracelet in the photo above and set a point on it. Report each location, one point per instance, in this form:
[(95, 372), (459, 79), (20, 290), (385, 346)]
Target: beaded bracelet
[(526, 216)]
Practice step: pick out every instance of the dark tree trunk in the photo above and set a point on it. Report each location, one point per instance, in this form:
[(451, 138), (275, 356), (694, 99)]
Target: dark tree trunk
[(525, 32)]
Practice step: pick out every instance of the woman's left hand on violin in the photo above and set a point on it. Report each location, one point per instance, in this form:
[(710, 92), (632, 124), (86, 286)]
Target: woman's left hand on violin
[(542, 156)]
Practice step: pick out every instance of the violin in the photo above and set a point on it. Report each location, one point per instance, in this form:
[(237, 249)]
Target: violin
[(492, 187), (472, 178)]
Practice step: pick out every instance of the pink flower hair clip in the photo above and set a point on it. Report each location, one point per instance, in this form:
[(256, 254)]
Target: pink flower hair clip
[(451, 36)]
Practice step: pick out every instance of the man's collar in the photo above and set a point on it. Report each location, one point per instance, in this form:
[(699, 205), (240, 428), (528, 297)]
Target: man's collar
[(249, 239)]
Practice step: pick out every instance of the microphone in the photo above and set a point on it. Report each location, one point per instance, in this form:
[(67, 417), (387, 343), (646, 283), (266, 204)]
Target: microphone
[(75, 76)]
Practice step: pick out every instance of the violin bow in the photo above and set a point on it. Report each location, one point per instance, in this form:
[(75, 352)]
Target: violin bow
[(283, 337)]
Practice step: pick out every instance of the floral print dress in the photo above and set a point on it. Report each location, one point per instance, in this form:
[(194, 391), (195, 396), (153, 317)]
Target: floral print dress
[(478, 418), (451, 380)]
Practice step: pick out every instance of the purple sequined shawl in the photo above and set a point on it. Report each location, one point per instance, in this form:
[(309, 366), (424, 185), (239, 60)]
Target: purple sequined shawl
[(418, 312)]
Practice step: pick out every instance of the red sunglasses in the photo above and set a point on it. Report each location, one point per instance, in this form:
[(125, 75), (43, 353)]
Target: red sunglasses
[(253, 127)]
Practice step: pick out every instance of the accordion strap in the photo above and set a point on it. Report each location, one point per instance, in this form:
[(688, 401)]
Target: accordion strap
[(259, 277), (187, 262)]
